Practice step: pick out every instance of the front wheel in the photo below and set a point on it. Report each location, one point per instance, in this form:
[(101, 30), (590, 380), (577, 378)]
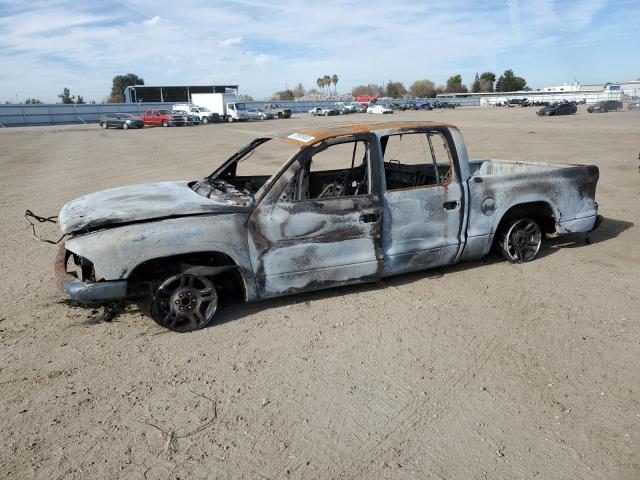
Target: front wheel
[(125, 125), (104, 125), (230, 119), (205, 120), (184, 302), (519, 240)]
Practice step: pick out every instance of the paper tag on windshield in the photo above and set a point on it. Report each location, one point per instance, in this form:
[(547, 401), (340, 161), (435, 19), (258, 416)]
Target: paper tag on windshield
[(301, 137)]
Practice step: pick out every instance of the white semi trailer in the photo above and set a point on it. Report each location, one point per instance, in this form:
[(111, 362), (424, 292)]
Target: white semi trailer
[(224, 104)]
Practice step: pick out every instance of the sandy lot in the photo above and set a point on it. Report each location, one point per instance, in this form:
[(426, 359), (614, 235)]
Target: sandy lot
[(481, 370)]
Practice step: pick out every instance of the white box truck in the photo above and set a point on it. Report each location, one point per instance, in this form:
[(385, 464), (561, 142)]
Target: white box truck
[(224, 104)]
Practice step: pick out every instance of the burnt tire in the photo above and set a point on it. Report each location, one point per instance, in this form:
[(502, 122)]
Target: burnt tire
[(184, 302), (519, 239)]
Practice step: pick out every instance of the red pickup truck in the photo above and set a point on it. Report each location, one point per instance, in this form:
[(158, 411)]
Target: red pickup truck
[(166, 118)]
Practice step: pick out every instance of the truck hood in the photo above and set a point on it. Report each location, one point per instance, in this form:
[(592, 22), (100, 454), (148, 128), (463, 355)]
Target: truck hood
[(136, 203)]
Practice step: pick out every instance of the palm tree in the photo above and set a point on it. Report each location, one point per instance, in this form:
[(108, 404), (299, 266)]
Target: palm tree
[(320, 83), (327, 82), (334, 80)]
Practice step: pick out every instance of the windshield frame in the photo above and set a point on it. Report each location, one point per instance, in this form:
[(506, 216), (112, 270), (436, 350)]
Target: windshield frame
[(229, 166)]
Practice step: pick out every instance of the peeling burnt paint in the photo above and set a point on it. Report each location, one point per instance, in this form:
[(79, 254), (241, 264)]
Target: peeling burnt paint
[(282, 245)]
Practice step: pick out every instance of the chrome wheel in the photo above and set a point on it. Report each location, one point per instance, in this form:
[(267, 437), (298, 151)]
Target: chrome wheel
[(521, 240), (184, 302)]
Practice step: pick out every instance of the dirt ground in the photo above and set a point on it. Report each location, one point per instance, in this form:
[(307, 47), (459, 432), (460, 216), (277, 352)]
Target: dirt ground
[(481, 370)]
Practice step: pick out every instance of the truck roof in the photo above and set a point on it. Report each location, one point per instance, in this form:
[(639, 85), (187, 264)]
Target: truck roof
[(318, 132)]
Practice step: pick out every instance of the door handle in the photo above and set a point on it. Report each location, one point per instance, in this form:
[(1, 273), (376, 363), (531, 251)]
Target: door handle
[(368, 218), (451, 205)]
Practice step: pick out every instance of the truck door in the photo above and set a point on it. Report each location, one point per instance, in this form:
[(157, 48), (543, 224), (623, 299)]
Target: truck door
[(321, 227), (423, 201)]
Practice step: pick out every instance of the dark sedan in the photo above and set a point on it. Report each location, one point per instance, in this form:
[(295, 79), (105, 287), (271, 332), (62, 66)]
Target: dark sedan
[(560, 109), (605, 106), (120, 120)]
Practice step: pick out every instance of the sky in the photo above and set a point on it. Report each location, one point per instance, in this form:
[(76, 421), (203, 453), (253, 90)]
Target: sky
[(265, 46)]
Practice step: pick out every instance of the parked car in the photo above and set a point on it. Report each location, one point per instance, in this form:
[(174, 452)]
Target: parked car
[(191, 119), (204, 114), (323, 111), (379, 109), (120, 120), (347, 107), (165, 118), (255, 114), (184, 245), (277, 110), (634, 103), (558, 109), (605, 106)]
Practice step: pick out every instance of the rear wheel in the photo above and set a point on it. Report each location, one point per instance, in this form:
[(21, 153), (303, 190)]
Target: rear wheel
[(205, 120), (165, 123), (184, 302), (125, 125), (104, 125), (519, 239), (280, 115)]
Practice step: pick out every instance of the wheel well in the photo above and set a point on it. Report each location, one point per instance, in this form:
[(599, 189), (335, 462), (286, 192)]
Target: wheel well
[(230, 281), (540, 211)]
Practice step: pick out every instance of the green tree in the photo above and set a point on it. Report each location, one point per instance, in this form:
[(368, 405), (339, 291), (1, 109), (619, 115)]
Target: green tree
[(370, 90), (32, 100), (284, 95), (454, 85), (477, 85), (120, 82), (320, 83), (66, 96), (334, 80), (327, 83), (395, 90), (298, 90), (508, 82), (487, 80), (80, 100), (423, 89)]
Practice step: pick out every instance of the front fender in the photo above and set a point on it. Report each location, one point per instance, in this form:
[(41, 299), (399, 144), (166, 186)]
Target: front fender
[(115, 252)]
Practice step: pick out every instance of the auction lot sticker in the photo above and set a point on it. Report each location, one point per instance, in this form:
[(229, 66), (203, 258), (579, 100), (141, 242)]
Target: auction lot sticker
[(301, 137)]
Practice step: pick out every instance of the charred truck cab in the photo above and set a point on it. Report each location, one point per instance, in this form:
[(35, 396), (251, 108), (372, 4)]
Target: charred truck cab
[(350, 203)]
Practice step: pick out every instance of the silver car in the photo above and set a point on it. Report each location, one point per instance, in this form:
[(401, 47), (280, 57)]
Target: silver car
[(255, 114)]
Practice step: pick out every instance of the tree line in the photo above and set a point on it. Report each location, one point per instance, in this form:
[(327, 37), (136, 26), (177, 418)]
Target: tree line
[(484, 82)]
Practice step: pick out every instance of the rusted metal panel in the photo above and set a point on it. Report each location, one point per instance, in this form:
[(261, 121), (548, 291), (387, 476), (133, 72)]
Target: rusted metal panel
[(315, 133)]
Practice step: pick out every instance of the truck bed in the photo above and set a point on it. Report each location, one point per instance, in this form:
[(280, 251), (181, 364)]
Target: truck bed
[(564, 191), (505, 167)]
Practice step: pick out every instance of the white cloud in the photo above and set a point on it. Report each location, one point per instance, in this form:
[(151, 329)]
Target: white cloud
[(232, 41), (152, 21)]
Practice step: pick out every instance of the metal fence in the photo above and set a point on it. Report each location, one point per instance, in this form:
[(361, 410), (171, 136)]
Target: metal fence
[(18, 115)]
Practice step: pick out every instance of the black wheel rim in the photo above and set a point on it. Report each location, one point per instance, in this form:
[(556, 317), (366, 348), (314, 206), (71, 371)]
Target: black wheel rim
[(185, 302), (524, 239)]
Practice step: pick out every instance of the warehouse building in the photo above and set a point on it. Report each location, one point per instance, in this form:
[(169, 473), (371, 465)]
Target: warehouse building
[(171, 93)]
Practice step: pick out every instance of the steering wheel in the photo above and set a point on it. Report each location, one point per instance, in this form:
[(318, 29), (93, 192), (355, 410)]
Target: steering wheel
[(336, 188)]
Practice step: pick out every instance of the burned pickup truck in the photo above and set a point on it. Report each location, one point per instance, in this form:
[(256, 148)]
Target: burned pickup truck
[(314, 208)]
